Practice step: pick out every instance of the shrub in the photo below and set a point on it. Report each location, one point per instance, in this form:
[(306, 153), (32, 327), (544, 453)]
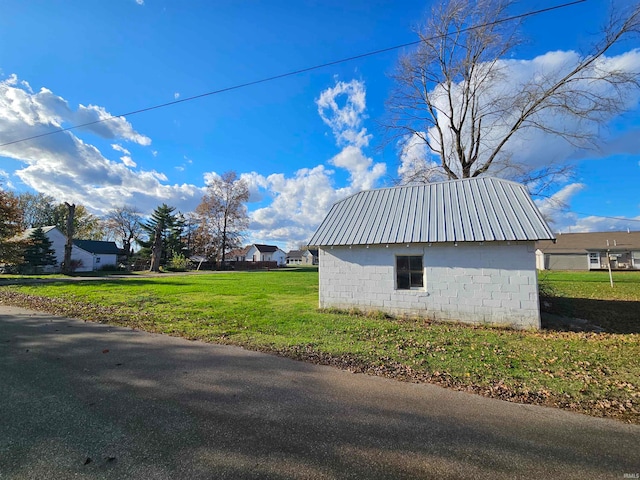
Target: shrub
[(178, 263)]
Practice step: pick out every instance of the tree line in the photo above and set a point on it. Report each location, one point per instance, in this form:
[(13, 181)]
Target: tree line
[(168, 238)]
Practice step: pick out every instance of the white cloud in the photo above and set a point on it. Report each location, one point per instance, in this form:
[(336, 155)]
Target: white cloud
[(103, 124), (126, 159), (603, 224), (120, 148), (298, 204), (557, 210), (346, 120), (140, 2), (69, 169), (5, 181), (416, 165), (176, 95), (363, 173), (553, 206)]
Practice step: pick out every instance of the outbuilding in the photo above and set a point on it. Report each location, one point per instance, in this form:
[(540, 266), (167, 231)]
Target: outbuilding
[(460, 250)]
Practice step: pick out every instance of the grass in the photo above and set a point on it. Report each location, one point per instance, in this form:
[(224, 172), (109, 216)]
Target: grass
[(594, 373), (589, 296)]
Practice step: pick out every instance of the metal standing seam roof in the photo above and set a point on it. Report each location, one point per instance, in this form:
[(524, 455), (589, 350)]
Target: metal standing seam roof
[(469, 210)]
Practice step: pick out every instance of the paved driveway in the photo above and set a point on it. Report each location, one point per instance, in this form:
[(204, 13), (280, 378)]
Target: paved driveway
[(83, 400)]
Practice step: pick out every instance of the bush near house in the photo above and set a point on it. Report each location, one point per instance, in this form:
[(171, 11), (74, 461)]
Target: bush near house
[(593, 373)]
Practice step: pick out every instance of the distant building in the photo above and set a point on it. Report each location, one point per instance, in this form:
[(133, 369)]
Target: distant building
[(266, 253), (302, 257), (590, 251)]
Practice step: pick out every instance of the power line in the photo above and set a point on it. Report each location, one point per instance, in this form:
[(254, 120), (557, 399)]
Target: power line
[(622, 219), (292, 73)]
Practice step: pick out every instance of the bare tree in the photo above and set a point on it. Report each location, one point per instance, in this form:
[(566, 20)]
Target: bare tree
[(455, 108), (222, 214), (125, 225)]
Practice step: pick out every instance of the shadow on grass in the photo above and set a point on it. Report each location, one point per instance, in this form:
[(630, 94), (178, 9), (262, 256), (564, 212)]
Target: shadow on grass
[(612, 316)]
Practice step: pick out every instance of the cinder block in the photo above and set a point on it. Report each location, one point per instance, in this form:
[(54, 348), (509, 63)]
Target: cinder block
[(510, 287), (510, 304), (529, 305), (491, 287), (500, 296), (463, 279), (481, 279)]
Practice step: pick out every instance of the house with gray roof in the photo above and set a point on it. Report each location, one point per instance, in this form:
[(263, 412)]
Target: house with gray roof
[(590, 251), (460, 250)]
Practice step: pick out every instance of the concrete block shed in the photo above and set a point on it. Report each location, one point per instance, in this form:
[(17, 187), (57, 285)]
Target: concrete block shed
[(461, 250)]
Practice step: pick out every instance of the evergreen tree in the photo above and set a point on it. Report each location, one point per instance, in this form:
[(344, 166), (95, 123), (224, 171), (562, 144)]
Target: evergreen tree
[(164, 231), (38, 253)]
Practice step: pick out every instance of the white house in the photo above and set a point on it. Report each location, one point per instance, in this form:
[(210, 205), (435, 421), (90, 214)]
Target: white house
[(90, 254), (266, 253), (455, 251)]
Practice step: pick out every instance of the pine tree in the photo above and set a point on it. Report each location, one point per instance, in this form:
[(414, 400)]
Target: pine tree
[(164, 230), (38, 253)]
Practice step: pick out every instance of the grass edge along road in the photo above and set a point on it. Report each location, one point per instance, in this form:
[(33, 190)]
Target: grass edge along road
[(276, 312)]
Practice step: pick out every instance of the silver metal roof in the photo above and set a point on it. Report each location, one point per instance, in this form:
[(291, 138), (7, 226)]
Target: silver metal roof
[(470, 210)]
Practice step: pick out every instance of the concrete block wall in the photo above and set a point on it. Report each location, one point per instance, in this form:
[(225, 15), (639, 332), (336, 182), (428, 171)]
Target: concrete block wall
[(492, 282)]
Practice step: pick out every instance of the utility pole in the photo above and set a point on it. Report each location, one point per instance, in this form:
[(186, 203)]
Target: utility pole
[(609, 264)]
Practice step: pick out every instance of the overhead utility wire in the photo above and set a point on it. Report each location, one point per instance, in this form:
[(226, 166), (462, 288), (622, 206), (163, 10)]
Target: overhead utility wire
[(292, 73), (622, 219)]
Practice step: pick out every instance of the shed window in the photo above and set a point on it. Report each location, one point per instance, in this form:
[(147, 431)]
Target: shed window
[(409, 272)]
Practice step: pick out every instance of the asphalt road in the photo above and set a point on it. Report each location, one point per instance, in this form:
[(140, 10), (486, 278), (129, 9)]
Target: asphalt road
[(83, 400)]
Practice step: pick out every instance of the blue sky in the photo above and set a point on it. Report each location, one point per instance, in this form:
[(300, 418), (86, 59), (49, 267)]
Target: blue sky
[(302, 142)]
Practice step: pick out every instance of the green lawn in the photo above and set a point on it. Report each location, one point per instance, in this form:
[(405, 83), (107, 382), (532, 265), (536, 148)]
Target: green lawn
[(589, 295), (277, 312)]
